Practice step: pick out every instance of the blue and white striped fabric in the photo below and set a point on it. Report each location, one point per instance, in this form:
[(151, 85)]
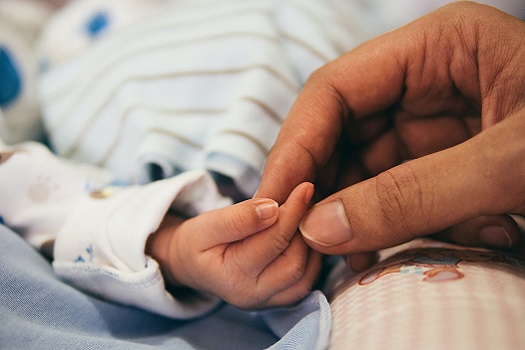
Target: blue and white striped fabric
[(186, 84)]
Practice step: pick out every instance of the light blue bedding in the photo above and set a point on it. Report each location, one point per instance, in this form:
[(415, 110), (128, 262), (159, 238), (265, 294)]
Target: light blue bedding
[(39, 311)]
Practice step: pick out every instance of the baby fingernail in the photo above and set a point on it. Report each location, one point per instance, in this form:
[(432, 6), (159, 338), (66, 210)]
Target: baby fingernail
[(266, 209), (309, 194), (495, 236), (326, 224)]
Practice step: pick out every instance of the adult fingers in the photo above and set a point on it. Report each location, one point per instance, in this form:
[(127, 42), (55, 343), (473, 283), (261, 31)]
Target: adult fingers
[(305, 142), (411, 63), (359, 262), (478, 177), (494, 231), (310, 133)]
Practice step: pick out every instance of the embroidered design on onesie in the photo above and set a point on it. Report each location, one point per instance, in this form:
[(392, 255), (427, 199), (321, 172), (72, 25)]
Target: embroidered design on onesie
[(434, 264), (86, 256)]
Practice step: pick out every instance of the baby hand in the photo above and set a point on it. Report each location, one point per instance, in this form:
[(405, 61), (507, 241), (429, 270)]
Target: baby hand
[(247, 254)]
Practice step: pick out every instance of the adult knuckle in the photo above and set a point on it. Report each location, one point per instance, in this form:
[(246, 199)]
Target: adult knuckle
[(400, 199)]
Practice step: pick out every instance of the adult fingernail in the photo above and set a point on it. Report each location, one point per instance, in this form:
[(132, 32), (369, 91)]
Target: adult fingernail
[(266, 209), (326, 224), (495, 236)]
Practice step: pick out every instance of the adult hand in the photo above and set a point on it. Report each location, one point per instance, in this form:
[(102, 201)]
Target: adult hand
[(421, 130)]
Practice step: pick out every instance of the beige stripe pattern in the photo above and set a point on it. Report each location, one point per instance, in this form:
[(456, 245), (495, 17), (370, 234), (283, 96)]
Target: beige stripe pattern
[(421, 302), (189, 81)]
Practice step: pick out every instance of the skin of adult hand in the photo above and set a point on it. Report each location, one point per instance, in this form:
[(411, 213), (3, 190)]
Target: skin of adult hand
[(416, 132)]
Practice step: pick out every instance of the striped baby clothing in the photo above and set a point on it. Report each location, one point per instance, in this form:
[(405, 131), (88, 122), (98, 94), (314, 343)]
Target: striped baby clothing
[(183, 85)]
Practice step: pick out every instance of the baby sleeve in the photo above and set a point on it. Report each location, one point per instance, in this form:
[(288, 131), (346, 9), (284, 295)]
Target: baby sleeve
[(38, 189), (100, 247), (99, 231)]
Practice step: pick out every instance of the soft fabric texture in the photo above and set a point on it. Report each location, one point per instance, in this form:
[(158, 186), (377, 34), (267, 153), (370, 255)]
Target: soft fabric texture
[(20, 117), (186, 84), (431, 295), (100, 230), (39, 311)]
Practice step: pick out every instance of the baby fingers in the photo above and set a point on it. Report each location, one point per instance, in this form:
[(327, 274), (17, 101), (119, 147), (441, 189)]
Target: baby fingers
[(255, 253), (234, 223), (288, 279)]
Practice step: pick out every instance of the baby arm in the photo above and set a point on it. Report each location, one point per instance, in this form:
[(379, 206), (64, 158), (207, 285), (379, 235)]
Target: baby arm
[(248, 254)]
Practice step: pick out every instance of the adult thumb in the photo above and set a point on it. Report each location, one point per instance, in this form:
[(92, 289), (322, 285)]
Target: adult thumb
[(423, 196)]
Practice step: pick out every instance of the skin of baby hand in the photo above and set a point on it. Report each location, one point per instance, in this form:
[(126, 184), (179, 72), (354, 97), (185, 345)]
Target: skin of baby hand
[(248, 254)]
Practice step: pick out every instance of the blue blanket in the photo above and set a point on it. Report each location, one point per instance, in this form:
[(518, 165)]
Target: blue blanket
[(39, 311)]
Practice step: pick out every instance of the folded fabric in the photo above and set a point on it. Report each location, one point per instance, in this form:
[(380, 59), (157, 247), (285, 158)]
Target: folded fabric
[(100, 247), (189, 85), (39, 311)]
